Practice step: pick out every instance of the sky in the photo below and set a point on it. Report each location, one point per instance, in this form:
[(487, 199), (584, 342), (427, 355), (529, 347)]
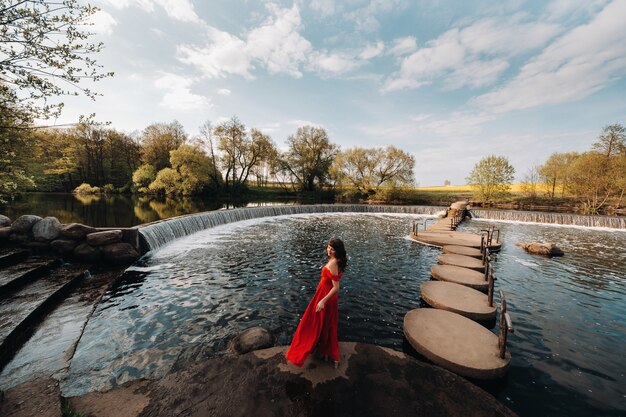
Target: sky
[(447, 81)]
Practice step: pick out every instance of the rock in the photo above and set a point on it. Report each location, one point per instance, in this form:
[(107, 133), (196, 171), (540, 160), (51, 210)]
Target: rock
[(4, 221), (545, 249), (63, 246), (47, 229), (5, 232), (251, 339), (24, 224), (76, 231), (86, 252), (120, 253), (19, 238), (40, 397), (104, 238), (36, 246)]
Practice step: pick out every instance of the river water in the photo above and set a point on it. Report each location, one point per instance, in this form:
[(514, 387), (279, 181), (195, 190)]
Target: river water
[(186, 300)]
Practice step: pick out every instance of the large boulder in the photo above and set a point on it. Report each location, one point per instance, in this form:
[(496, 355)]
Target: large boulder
[(24, 224), (76, 231), (87, 253), (63, 246), (104, 238), (119, 253), (4, 221), (47, 229), (545, 249), (251, 339)]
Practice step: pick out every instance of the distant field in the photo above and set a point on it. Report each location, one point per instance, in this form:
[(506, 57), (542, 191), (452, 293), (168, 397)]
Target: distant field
[(515, 188)]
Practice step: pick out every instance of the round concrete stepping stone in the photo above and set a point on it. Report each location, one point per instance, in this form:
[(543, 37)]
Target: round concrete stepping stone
[(462, 261), (458, 299), (463, 250), (458, 275), (443, 238), (455, 343)]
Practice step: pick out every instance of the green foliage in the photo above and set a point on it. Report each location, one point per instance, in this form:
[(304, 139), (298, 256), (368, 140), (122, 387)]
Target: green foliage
[(45, 52), (368, 169), (109, 189), (491, 178), (309, 158), (143, 176), (195, 169), (168, 182), (86, 189), (158, 140)]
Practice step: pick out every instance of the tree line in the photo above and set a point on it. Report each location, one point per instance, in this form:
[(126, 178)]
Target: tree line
[(596, 178)]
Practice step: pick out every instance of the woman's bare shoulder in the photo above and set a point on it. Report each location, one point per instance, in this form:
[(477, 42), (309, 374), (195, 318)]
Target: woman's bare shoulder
[(333, 267)]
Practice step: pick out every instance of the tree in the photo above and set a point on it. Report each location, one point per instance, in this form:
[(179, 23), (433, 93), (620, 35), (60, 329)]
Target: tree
[(590, 180), (554, 172), (167, 182), (158, 140), (309, 157), (491, 177), (530, 184), (368, 169), (195, 169), (44, 53), (612, 141), (207, 140), (143, 177)]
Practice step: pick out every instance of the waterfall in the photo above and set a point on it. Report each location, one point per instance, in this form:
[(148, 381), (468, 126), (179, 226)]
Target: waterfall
[(553, 218), (154, 235)]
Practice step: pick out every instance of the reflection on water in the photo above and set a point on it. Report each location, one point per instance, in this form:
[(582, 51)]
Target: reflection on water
[(188, 299), (113, 210)]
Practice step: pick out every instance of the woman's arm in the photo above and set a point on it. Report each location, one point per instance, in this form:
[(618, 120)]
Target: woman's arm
[(333, 291)]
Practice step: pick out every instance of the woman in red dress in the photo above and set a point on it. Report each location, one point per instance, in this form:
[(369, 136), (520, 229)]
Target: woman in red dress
[(318, 326)]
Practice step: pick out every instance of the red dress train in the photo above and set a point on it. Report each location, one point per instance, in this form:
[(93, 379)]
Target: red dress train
[(317, 329)]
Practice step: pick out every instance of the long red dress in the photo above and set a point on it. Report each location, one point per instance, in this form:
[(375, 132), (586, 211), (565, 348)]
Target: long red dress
[(317, 328)]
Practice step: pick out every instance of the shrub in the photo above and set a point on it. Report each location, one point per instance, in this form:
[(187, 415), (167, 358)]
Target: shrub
[(144, 176), (85, 188), (109, 189)]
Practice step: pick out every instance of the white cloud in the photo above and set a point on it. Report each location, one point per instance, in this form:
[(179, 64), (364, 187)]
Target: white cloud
[(420, 117), (403, 46), (333, 63), (459, 124), (178, 95), (223, 92), (372, 51), (225, 54), (563, 9), (181, 10), (324, 7), (474, 56), (102, 22), (366, 18), (581, 62)]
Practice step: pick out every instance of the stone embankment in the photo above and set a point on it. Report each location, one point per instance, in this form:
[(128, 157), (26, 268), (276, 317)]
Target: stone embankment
[(75, 241)]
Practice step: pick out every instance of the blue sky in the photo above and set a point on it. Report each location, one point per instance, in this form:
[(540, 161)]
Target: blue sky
[(448, 81)]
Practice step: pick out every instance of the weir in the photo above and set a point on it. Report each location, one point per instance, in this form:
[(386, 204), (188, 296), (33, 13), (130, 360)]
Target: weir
[(610, 222), (157, 234)]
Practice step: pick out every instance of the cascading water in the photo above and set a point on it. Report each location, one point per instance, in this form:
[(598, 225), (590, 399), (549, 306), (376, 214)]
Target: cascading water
[(551, 218), (160, 233)]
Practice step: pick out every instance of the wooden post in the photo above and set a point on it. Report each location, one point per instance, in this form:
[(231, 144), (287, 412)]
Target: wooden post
[(490, 290), (506, 325), (482, 247)]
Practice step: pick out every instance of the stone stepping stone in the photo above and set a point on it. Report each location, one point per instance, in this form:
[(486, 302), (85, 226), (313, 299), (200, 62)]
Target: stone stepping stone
[(459, 275), (463, 250), (455, 343), (462, 261), (458, 299), (443, 238)]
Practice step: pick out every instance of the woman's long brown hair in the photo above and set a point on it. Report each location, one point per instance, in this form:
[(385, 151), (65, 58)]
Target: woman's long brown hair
[(340, 253)]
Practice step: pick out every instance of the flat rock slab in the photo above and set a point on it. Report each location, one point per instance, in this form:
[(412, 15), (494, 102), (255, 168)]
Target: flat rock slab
[(39, 398), (462, 261), (456, 343), (458, 299), (443, 238), (13, 276), (370, 381), (459, 275), (463, 250)]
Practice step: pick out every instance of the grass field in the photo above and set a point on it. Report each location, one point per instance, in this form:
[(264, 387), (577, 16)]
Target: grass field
[(515, 188)]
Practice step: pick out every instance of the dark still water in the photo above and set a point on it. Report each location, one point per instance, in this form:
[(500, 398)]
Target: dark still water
[(112, 210), (186, 300)]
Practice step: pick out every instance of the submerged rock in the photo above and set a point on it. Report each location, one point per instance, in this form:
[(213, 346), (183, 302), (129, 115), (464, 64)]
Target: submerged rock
[(47, 229), (545, 249), (5, 232), (251, 339), (25, 223)]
